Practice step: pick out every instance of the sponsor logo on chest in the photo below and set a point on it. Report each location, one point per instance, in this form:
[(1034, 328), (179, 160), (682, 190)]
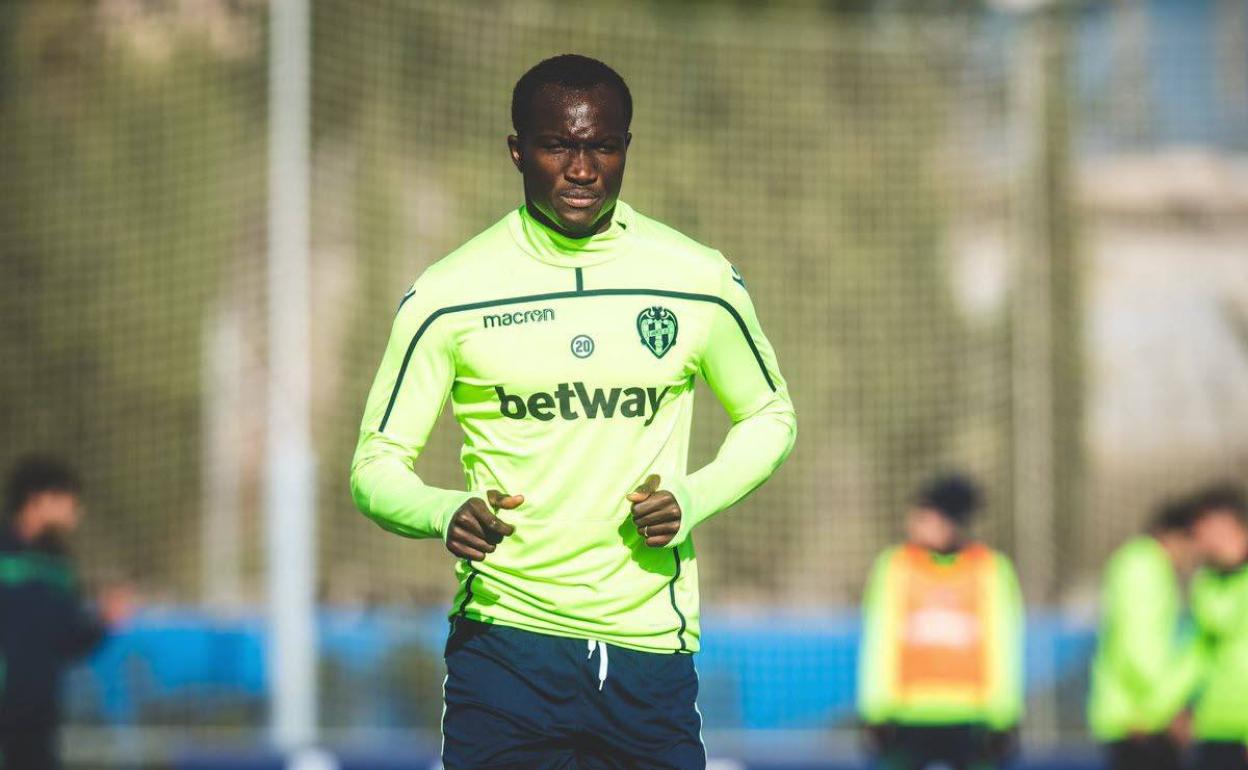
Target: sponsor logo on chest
[(572, 401), (536, 315)]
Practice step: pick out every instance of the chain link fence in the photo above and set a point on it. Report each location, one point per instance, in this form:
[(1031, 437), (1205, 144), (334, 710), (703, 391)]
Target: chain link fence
[(1011, 244)]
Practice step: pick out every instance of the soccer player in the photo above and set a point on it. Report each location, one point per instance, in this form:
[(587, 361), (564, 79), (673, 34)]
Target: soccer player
[(940, 666), (44, 623), (1143, 673), (1219, 598), (568, 336)]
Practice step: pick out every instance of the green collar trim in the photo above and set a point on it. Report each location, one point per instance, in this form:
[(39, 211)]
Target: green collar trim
[(545, 245)]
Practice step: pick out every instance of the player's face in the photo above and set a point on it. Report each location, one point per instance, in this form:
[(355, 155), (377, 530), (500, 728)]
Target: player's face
[(1221, 538), (53, 513), (572, 157), (929, 529)]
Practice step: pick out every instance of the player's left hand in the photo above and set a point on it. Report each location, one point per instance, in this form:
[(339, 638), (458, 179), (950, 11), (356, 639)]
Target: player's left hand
[(656, 514), (1180, 730), (117, 603)]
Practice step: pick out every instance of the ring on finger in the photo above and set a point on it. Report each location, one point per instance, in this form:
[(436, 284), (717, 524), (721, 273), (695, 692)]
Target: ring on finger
[(645, 531)]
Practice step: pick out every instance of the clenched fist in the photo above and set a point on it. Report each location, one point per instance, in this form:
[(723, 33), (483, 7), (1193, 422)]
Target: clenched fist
[(475, 531), (656, 514)]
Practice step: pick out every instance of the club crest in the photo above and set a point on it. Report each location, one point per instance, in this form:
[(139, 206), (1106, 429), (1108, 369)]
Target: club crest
[(657, 327)]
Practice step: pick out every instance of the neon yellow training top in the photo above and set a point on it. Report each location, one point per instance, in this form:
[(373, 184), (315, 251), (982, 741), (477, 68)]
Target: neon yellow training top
[(1144, 671), (1220, 609), (570, 365)]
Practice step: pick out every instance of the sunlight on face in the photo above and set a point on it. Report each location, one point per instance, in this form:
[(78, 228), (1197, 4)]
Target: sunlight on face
[(928, 528), (1221, 538), (57, 512)]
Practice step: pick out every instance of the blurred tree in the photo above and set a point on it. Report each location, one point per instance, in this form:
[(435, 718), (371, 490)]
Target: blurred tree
[(136, 153), (128, 192)]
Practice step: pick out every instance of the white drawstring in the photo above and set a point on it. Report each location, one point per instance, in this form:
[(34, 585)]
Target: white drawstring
[(602, 660)]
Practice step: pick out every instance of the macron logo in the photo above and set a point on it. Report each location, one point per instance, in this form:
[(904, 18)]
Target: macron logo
[(518, 317), (563, 402)]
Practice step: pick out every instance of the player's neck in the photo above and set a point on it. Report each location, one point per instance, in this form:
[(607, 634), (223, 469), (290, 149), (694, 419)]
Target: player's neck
[(948, 549), (537, 216)]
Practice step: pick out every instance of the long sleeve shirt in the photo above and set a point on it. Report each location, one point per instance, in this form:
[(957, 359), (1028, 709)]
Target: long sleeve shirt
[(1143, 672), (570, 366)]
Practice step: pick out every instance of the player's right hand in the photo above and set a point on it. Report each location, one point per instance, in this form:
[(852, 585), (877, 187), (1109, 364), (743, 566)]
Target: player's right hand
[(475, 531), (1180, 729)]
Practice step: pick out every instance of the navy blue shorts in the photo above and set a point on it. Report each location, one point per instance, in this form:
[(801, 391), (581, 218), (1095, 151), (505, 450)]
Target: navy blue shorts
[(1221, 755), (517, 700)]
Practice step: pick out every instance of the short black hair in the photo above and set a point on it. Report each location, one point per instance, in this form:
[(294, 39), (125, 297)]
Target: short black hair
[(1176, 515), (567, 70), (954, 495), (1220, 497), (34, 474)]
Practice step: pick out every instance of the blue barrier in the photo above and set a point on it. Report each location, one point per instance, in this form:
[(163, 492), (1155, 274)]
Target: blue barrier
[(767, 671)]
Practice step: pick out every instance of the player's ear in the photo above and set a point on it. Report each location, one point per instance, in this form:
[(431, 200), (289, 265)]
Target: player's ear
[(517, 156), (628, 138)]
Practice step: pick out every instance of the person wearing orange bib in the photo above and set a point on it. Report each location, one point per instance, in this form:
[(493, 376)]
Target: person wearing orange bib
[(941, 663)]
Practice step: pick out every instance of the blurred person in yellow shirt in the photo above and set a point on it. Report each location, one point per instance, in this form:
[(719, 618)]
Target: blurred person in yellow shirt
[(1144, 672), (941, 662), (1219, 598)]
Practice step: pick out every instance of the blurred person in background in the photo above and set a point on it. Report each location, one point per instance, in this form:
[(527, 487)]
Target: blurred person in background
[(1143, 672), (44, 623), (1219, 598), (940, 667)]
